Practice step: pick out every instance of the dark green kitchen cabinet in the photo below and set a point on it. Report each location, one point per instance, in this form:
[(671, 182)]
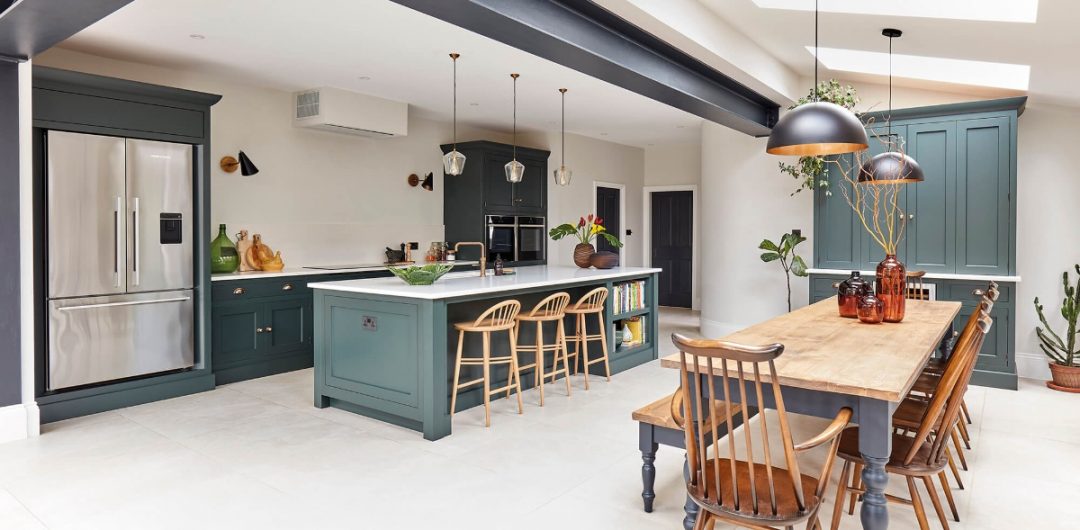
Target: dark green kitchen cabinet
[(961, 218), (984, 209), (263, 326)]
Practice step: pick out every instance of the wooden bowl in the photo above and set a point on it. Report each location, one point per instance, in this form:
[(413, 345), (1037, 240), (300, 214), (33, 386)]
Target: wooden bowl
[(604, 260)]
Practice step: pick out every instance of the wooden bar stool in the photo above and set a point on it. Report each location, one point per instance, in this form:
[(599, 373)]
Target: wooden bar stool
[(914, 290), (499, 317), (590, 304), (550, 309)]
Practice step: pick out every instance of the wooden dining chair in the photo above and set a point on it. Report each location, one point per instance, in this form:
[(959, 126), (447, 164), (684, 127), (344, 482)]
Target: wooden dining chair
[(732, 490), (914, 288), (499, 317), (922, 452)]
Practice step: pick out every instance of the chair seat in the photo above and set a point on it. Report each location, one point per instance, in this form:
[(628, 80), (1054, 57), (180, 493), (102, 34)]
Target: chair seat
[(472, 326), (910, 414), (926, 383), (787, 509), (585, 309), (935, 366), (849, 450), (542, 316)]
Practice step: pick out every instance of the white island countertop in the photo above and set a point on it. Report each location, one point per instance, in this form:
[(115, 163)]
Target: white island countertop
[(455, 285), (319, 271)]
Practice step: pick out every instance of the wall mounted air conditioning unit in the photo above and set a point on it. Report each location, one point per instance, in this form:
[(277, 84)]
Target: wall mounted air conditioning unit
[(341, 111)]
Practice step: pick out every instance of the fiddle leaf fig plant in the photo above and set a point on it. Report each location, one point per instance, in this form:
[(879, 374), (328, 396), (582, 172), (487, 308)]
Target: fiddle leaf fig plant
[(813, 171), (1062, 350), (784, 252)]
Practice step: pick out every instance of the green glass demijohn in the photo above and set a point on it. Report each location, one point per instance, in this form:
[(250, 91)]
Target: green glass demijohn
[(223, 256)]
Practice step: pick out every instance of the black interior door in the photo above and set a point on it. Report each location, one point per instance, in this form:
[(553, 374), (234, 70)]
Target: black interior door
[(672, 246), (607, 208)]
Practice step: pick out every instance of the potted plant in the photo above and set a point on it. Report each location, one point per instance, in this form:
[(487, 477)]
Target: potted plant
[(1063, 351), (587, 229), (812, 171), (784, 252)]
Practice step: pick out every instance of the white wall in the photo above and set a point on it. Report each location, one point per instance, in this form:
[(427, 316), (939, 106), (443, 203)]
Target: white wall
[(1047, 238), (673, 164), (325, 198), (745, 199)]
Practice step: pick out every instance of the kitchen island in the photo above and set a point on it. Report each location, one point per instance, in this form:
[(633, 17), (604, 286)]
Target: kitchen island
[(384, 349)]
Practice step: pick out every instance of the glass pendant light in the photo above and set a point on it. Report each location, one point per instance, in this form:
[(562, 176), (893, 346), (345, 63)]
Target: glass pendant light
[(515, 171), (563, 174), (819, 127), (891, 167), (454, 162)]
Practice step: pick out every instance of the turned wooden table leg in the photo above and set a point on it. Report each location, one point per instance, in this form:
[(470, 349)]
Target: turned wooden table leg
[(875, 445)]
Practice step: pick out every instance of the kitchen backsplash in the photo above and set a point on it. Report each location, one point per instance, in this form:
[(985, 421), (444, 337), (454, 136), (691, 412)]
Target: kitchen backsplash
[(336, 244)]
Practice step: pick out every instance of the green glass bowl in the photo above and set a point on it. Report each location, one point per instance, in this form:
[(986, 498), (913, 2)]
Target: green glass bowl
[(422, 275)]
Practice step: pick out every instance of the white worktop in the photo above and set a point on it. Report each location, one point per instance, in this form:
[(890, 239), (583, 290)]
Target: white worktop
[(303, 271), (455, 285), (930, 275)]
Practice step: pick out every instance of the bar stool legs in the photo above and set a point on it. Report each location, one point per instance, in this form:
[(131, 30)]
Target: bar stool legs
[(592, 303), (551, 309), (499, 317)]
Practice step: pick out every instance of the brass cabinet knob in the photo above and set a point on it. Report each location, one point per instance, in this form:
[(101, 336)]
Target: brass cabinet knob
[(287, 287), (258, 330), (239, 291), (269, 329)]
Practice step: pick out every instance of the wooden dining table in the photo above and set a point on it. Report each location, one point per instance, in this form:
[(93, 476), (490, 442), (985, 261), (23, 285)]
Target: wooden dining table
[(830, 362)]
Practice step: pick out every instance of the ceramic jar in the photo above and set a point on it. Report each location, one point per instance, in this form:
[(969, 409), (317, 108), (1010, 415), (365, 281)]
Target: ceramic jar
[(849, 292)]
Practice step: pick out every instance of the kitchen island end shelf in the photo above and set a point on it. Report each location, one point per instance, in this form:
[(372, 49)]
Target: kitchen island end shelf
[(384, 349)]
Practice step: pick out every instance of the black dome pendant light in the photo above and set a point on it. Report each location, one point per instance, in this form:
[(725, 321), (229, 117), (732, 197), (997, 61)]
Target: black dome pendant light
[(817, 128), (891, 167)]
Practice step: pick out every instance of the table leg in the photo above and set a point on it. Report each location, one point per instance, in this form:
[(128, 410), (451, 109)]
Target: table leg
[(648, 477), (690, 508), (875, 445)]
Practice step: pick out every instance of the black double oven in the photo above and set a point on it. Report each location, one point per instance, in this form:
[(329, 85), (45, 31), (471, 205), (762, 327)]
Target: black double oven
[(516, 238)]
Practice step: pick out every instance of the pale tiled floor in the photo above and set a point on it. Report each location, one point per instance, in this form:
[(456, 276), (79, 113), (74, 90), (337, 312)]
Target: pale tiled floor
[(258, 455)]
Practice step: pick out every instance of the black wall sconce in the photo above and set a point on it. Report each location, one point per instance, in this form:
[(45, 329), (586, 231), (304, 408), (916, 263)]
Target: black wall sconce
[(428, 183), (247, 168)]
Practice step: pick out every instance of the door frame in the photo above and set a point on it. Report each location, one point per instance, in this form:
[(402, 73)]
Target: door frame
[(646, 233), (622, 212)]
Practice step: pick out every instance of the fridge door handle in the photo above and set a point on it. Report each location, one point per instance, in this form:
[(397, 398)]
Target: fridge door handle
[(122, 304), (117, 236), (135, 242)]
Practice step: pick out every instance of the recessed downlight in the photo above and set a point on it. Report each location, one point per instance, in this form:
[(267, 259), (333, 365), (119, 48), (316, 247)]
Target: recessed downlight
[(941, 69), (197, 36), (474, 104), (364, 78)]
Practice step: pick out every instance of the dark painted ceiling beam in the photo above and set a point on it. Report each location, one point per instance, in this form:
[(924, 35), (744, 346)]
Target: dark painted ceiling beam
[(29, 27), (580, 35)]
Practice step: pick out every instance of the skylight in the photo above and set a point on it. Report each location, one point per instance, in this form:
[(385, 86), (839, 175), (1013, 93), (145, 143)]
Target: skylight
[(982, 10), (959, 71)]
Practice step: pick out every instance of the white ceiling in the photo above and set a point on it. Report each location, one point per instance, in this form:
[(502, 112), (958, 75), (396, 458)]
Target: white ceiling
[(1049, 45), (294, 46)]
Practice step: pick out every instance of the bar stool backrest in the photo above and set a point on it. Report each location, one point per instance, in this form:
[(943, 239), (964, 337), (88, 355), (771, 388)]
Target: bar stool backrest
[(552, 305), (915, 289), (499, 316), (593, 299)]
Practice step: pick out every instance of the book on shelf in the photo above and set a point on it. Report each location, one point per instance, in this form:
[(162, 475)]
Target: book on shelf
[(628, 296)]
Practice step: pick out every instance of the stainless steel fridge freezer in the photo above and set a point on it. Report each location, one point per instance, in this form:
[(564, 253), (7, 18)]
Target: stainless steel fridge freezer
[(120, 259)]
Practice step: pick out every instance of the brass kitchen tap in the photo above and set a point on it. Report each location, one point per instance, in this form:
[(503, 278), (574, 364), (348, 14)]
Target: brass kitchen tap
[(483, 254)]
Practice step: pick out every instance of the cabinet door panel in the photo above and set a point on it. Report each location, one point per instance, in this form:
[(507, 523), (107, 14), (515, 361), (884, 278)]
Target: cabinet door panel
[(529, 193), (287, 324), (983, 185), (931, 229), (837, 231), (498, 193), (372, 348), (234, 337), (880, 140)]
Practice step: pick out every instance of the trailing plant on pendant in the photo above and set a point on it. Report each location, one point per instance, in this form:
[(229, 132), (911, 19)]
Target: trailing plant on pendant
[(784, 252), (813, 171), (1062, 350)]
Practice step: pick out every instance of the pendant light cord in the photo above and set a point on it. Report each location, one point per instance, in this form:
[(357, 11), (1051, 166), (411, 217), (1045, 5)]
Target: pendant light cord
[(515, 76), (454, 57), (816, 29), (563, 92), (890, 88)]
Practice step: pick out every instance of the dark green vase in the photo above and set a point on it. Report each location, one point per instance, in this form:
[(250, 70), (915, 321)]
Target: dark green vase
[(223, 256)]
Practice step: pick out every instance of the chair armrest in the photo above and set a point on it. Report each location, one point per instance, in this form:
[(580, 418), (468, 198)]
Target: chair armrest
[(830, 433)]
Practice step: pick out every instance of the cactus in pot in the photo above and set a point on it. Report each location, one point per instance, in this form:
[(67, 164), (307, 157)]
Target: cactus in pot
[(1063, 350)]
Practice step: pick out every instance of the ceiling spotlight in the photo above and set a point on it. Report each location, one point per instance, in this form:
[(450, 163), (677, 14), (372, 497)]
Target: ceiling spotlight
[(196, 36), (474, 104), (364, 78)]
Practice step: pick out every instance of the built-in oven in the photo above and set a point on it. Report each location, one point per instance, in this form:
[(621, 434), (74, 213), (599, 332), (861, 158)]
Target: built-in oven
[(501, 237), (531, 238)]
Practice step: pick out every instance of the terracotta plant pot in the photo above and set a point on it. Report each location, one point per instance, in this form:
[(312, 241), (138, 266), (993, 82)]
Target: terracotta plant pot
[(604, 260), (582, 254), (1065, 378)]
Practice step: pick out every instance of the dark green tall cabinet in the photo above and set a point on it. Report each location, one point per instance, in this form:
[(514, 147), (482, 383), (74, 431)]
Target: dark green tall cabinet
[(961, 221), (482, 190)]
